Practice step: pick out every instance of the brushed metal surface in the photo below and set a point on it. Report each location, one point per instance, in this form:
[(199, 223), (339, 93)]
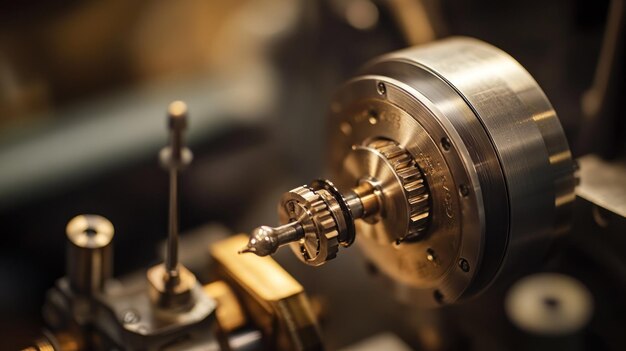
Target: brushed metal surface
[(501, 169)]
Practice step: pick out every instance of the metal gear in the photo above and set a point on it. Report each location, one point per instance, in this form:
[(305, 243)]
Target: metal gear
[(310, 209), (413, 183)]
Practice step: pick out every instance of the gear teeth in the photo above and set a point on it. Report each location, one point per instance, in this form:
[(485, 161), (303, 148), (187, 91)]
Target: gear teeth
[(415, 189), (327, 233)]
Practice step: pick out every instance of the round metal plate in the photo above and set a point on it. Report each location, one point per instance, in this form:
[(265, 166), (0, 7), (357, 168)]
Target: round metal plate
[(428, 266), (493, 152)]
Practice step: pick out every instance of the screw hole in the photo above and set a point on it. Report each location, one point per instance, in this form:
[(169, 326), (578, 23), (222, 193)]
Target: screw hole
[(464, 190), (445, 143), (381, 88), (438, 296), (465, 267), (552, 303)]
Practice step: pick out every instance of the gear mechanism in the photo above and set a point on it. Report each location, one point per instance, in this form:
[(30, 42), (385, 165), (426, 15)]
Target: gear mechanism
[(413, 184), (317, 218), (310, 208)]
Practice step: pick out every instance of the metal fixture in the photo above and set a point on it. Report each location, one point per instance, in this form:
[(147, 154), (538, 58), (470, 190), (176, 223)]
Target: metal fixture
[(171, 307), (90, 253), (168, 308), (170, 282), (449, 148), (319, 218), (276, 303)]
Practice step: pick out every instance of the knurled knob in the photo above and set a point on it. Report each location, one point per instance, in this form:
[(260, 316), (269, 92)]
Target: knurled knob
[(310, 208)]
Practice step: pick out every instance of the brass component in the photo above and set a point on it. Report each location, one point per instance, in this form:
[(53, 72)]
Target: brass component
[(490, 148), (370, 198), (311, 209), (461, 169), (412, 180), (68, 341), (230, 316), (166, 293), (273, 300), (89, 256), (40, 345), (60, 341), (317, 218)]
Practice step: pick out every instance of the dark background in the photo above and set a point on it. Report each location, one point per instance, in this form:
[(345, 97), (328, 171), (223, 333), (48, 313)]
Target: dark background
[(84, 86)]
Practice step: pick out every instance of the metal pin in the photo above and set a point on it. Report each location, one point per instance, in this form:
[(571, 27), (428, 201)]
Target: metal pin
[(266, 240), (174, 157)]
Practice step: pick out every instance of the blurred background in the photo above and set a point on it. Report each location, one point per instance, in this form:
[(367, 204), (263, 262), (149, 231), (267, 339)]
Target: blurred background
[(84, 87)]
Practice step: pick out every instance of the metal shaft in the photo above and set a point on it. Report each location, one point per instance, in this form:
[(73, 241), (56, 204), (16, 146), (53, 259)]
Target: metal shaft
[(265, 240), (174, 157), (171, 260)]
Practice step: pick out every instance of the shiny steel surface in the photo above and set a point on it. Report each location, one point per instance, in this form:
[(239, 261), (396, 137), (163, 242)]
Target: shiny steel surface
[(429, 264), (399, 186), (603, 183), (265, 240), (310, 209), (492, 150), (173, 158)]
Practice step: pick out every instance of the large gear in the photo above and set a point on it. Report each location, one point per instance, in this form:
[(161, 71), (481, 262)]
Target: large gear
[(413, 183), (310, 208)]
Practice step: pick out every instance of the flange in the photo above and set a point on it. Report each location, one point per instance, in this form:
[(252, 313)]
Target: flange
[(491, 149)]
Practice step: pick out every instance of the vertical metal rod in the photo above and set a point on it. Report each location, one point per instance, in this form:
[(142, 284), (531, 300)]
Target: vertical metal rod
[(171, 260), (174, 157)]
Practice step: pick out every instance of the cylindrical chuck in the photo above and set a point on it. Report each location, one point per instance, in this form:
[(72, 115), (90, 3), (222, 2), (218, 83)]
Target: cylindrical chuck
[(317, 218), (90, 253)]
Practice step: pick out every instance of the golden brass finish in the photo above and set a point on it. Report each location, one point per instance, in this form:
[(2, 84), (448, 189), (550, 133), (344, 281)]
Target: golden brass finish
[(273, 300), (230, 316), (370, 198), (64, 341)]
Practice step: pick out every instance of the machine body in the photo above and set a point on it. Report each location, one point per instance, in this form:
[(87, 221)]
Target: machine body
[(453, 168), (448, 167)]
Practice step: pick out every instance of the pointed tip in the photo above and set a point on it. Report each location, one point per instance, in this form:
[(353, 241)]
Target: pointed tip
[(245, 250)]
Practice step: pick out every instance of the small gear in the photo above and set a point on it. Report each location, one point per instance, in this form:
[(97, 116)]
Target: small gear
[(413, 183), (320, 241)]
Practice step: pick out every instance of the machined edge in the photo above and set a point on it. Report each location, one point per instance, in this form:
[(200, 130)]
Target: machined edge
[(456, 281), (496, 87), (483, 158), (348, 237)]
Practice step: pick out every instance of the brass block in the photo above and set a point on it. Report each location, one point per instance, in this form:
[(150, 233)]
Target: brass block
[(229, 314), (272, 299)]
